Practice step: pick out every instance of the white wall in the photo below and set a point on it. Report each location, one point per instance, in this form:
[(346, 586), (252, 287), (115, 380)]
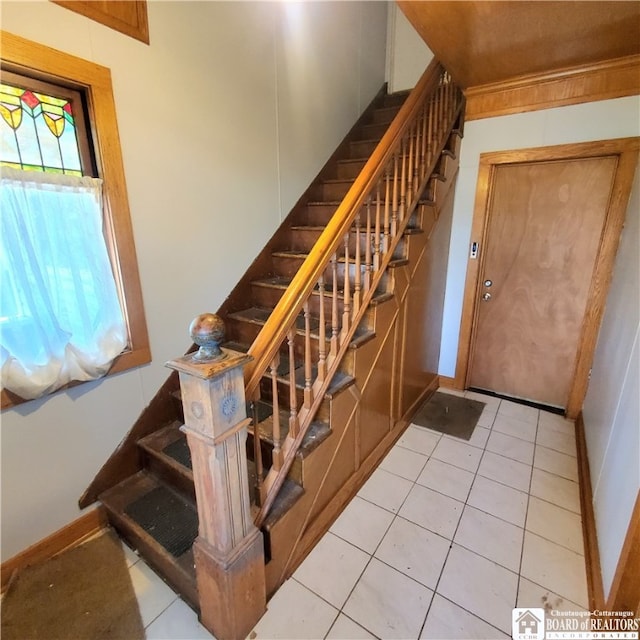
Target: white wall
[(576, 123), (407, 54), (612, 407), (224, 120)]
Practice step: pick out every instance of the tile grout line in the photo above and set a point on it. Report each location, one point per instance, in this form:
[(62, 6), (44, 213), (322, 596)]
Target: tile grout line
[(515, 604), (466, 502), (372, 555)]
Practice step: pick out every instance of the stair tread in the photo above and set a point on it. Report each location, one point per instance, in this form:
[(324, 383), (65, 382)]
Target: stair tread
[(338, 180), (182, 523), (366, 140), (259, 315), (301, 255), (166, 443), (288, 495), (236, 346), (159, 530), (353, 160), (353, 228), (282, 282)]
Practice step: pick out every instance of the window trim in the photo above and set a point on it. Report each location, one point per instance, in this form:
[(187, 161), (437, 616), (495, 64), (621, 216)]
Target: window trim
[(96, 81)]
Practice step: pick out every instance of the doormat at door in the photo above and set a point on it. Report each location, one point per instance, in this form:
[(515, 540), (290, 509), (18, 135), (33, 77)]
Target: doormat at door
[(452, 415), (84, 593)]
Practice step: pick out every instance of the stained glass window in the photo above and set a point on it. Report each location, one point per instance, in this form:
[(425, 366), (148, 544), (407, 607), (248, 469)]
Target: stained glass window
[(41, 130)]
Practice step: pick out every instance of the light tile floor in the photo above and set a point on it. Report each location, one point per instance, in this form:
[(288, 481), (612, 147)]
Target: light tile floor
[(445, 538)]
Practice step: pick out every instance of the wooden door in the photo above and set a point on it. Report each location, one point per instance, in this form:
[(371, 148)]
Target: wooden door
[(544, 227)]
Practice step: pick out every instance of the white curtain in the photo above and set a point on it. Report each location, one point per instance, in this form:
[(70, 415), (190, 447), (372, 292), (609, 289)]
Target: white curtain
[(60, 318)]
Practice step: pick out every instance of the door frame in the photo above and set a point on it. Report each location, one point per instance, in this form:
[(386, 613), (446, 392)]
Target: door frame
[(626, 150)]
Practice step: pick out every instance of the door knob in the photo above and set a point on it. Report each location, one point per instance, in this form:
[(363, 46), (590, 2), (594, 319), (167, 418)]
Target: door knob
[(486, 296)]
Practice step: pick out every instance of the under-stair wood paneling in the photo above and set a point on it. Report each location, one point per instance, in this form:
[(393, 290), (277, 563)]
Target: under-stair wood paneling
[(387, 368), (425, 301), (584, 51)]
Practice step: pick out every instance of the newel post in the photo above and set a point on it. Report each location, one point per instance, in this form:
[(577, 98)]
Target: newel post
[(229, 551)]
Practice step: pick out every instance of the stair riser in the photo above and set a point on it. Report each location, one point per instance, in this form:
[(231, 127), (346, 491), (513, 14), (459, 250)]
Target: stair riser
[(394, 100), (167, 566), (453, 144), (321, 214), (269, 297), (170, 476), (247, 332), (284, 399), (384, 115), (438, 189), (295, 473), (448, 166), (304, 240), (329, 191), (373, 131), (349, 170), (289, 266), (362, 148)]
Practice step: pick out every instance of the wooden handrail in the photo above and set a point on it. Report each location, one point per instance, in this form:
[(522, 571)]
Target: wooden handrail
[(289, 306), (392, 181)]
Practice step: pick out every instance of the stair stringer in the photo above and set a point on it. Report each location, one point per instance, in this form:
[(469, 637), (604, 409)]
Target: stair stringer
[(371, 416)]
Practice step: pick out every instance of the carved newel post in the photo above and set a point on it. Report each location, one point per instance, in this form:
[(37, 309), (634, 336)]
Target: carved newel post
[(229, 552)]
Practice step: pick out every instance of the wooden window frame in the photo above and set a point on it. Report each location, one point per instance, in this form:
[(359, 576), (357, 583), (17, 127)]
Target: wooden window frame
[(39, 60)]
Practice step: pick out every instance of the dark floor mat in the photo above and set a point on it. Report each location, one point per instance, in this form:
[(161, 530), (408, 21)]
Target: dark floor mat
[(170, 520), (180, 452), (84, 592), (449, 414)]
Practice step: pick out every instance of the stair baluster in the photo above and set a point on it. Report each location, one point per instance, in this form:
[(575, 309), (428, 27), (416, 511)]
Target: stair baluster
[(357, 286), (346, 292), (387, 210), (334, 306), (367, 244), (293, 397), (308, 392), (257, 453), (322, 342), (277, 437)]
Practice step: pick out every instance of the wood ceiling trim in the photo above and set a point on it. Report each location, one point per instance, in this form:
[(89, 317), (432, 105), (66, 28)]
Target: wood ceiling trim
[(601, 81)]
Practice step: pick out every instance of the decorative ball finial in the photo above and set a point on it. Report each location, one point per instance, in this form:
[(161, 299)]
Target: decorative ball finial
[(207, 331)]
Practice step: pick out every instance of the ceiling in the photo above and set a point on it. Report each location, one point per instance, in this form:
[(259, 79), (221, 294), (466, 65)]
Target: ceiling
[(485, 42)]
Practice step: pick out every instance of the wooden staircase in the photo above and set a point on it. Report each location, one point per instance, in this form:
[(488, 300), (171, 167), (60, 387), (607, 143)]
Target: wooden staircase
[(147, 486)]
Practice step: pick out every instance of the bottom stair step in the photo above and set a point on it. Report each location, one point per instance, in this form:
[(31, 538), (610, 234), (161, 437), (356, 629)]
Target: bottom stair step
[(167, 518), (161, 524)]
